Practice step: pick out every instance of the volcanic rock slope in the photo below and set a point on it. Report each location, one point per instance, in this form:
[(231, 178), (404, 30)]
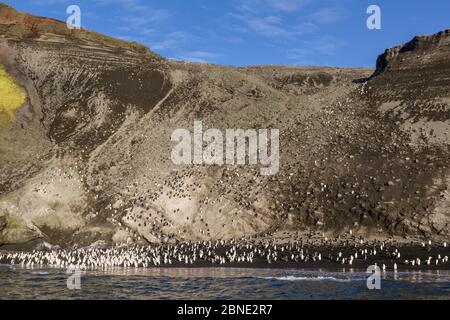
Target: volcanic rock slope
[(88, 156)]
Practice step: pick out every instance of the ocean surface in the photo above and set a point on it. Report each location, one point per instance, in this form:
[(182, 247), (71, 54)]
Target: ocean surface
[(219, 283)]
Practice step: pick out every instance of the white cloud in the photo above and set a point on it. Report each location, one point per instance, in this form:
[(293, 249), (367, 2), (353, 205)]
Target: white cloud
[(171, 41), (190, 59), (137, 16), (129, 5), (299, 55), (271, 18), (198, 56), (146, 18), (267, 6), (205, 54), (328, 15), (288, 5), (272, 26), (50, 2), (326, 46), (267, 26)]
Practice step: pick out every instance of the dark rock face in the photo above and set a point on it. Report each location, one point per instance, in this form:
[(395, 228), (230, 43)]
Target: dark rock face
[(88, 158), (410, 92)]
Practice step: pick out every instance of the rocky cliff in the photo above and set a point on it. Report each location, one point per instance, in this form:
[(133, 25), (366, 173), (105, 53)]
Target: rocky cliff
[(87, 157)]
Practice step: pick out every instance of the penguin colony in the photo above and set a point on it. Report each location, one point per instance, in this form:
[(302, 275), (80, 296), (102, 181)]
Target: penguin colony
[(357, 253)]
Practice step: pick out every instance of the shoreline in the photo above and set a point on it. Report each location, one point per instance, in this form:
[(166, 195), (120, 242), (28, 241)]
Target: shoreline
[(225, 271)]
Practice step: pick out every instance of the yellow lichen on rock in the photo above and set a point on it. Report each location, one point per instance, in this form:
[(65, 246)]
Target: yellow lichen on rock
[(12, 97)]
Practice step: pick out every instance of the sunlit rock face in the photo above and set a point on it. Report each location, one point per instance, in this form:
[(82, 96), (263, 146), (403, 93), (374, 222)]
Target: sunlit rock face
[(88, 156)]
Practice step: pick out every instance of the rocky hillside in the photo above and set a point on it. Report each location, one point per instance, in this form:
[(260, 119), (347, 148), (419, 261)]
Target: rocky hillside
[(88, 155)]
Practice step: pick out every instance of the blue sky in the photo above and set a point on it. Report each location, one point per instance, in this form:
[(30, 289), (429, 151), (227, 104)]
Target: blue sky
[(256, 32)]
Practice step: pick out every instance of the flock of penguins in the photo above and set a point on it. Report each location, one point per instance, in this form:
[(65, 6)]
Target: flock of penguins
[(242, 252)]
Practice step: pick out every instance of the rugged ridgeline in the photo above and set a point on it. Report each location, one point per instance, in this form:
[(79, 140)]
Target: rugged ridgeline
[(87, 157)]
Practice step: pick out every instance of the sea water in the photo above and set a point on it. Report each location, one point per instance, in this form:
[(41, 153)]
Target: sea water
[(219, 283)]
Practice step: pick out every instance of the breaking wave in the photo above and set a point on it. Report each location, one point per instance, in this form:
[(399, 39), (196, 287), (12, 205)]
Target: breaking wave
[(303, 278)]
